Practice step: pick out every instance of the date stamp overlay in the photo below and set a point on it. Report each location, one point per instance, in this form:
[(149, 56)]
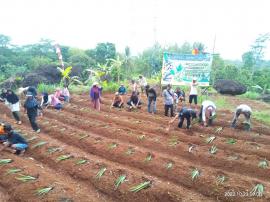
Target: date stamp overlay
[(249, 194)]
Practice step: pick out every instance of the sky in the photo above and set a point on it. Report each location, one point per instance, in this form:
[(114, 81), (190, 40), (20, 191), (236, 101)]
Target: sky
[(138, 23)]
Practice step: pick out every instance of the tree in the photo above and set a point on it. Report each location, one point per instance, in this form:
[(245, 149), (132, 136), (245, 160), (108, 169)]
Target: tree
[(105, 51), (4, 41), (248, 60), (116, 65)]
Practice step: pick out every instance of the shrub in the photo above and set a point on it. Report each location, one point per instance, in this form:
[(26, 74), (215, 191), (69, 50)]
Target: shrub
[(251, 95), (49, 88)]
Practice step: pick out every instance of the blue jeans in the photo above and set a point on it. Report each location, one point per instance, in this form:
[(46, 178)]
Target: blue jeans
[(20, 146), (150, 100)]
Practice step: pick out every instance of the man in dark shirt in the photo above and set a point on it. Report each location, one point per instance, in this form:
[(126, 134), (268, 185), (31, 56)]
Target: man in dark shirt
[(14, 140), (122, 90), (152, 97), (185, 113)]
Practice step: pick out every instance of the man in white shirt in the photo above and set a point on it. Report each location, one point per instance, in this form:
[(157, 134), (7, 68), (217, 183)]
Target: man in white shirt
[(193, 95), (207, 112), (142, 83), (242, 109)]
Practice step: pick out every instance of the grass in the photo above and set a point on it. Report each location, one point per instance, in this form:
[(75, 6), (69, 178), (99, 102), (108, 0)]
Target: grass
[(49, 88), (250, 95), (101, 172), (26, 178), (79, 89), (119, 181), (5, 161), (140, 186), (43, 191), (262, 116)]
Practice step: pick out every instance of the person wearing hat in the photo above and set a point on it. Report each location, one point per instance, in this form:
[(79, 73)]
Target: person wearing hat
[(95, 96), (118, 101), (193, 95), (14, 105), (122, 90), (152, 98), (168, 95), (246, 111), (207, 112), (14, 140), (32, 106)]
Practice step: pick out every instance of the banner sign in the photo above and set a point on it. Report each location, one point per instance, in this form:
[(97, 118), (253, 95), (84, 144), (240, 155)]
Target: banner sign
[(180, 69)]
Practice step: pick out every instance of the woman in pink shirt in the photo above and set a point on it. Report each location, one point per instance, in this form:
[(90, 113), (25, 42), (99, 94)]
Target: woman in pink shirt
[(65, 94), (56, 103)]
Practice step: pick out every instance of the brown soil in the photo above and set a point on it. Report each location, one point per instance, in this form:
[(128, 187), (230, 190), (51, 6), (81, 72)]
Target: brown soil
[(104, 138)]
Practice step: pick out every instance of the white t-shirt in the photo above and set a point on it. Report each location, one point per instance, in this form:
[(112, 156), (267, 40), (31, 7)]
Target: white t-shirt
[(206, 104), (243, 108), (193, 89), (142, 81)]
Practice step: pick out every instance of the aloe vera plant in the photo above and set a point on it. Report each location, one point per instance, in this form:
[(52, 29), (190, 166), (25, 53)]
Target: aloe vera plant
[(26, 178), (119, 181), (140, 187), (81, 161), (195, 173), (257, 190), (43, 191), (5, 161), (101, 172), (130, 151), (173, 141), (32, 138), (53, 150), (231, 141), (13, 170), (83, 136), (218, 130), (169, 165), (113, 145), (220, 179), (64, 157), (210, 139), (141, 137), (39, 144), (213, 150), (263, 164), (148, 158)]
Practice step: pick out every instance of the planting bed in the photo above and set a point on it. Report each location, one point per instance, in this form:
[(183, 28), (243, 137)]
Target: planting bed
[(82, 153)]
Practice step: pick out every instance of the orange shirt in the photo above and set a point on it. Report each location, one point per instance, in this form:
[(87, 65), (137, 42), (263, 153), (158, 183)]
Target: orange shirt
[(2, 130)]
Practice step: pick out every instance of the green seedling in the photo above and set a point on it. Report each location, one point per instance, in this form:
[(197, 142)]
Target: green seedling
[(195, 173), (119, 181), (209, 140), (5, 161), (26, 178), (82, 136), (32, 138), (173, 141), (231, 141), (213, 117), (64, 157), (53, 150), (257, 190), (220, 179), (218, 130), (39, 144), (13, 170), (263, 164), (43, 191), (232, 158), (113, 145), (130, 151), (141, 137), (81, 161), (213, 150), (169, 166), (140, 187), (100, 173), (148, 158)]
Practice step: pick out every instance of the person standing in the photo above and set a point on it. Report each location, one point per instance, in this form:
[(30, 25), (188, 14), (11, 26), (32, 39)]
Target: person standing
[(31, 106), (14, 105), (168, 95), (152, 98), (32, 90), (95, 95), (193, 95), (142, 83), (246, 111), (134, 86), (207, 112)]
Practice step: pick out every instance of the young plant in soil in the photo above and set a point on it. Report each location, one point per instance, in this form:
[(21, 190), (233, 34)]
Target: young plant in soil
[(210, 139), (213, 150), (13, 170), (5, 161), (26, 178), (218, 130), (195, 173), (43, 191), (169, 165), (32, 138), (140, 187), (257, 190), (220, 179), (52, 150), (82, 136), (101, 172), (39, 144), (174, 141), (130, 151), (141, 137), (64, 157), (113, 145), (148, 158), (231, 141), (263, 164), (119, 181), (81, 161)]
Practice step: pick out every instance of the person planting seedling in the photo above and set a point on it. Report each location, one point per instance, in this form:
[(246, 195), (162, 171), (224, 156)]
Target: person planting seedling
[(207, 112), (14, 142), (134, 101), (185, 113), (118, 101), (246, 111)]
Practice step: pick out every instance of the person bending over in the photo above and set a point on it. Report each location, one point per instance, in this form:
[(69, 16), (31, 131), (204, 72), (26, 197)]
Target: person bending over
[(207, 112), (185, 113), (118, 101), (246, 111)]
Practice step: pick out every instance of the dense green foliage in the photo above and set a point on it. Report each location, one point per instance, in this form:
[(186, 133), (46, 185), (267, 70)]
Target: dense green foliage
[(112, 66)]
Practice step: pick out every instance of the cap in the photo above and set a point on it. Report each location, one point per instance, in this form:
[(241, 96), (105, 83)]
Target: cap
[(116, 93)]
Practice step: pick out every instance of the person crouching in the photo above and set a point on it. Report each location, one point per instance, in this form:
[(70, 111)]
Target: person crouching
[(134, 101), (118, 101), (185, 113)]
